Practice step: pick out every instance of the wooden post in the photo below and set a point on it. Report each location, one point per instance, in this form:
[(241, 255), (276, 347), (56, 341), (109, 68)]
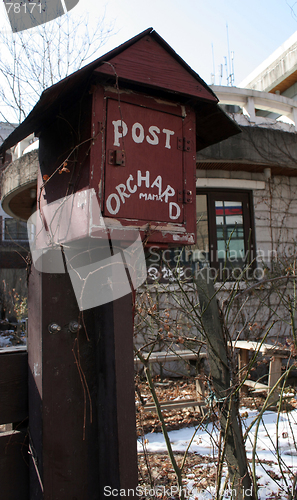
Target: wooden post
[(200, 380), (243, 360), (113, 324), (81, 394), (275, 372), (14, 472)]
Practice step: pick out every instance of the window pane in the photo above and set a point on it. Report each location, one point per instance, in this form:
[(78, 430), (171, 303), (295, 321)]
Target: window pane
[(236, 249), (220, 232), (221, 249), (233, 219), (229, 231), (15, 230)]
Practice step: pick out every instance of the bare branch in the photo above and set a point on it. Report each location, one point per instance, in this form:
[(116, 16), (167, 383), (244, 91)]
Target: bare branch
[(33, 60)]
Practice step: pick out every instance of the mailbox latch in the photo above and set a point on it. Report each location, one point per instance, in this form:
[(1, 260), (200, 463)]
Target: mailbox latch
[(185, 196), (184, 144), (116, 157)]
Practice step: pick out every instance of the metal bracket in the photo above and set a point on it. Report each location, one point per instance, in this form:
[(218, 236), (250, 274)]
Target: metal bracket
[(188, 196), (185, 196), (184, 144), (180, 144), (187, 144), (116, 157)]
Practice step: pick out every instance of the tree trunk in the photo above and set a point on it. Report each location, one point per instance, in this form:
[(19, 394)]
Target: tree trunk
[(235, 454)]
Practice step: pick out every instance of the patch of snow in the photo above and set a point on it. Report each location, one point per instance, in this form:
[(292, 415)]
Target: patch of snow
[(272, 434), (5, 340)]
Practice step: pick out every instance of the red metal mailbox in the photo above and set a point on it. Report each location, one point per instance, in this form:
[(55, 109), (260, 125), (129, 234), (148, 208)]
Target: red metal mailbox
[(148, 175)]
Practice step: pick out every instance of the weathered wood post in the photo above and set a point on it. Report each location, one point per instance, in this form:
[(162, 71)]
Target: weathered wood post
[(118, 139), (81, 408)]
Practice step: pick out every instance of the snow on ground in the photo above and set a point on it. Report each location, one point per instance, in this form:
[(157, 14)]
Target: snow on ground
[(275, 475), (5, 340), (10, 338)]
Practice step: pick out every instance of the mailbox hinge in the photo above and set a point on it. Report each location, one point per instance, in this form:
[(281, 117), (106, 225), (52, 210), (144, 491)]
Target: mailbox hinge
[(116, 157), (185, 196), (184, 144)]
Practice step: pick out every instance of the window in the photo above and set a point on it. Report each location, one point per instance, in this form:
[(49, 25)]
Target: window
[(14, 230), (225, 236), (225, 239)]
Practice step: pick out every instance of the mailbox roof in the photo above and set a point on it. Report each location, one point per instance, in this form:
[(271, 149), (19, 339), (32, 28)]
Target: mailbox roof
[(142, 64)]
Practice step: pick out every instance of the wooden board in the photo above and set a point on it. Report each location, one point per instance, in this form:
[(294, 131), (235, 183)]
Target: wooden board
[(14, 469), (13, 386), (175, 405), (148, 63), (263, 348), (256, 386), (165, 356)]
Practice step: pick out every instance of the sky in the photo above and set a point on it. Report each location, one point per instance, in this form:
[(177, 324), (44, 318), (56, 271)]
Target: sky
[(196, 29)]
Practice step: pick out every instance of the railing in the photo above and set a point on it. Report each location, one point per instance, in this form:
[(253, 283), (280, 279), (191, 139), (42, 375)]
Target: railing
[(252, 100)]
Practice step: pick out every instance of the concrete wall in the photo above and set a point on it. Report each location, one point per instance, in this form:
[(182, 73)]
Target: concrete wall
[(255, 147), (279, 65), (18, 179), (276, 216)]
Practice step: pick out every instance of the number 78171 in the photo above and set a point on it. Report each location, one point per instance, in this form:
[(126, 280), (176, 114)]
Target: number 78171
[(16, 7)]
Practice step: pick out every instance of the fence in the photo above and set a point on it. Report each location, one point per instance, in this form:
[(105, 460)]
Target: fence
[(14, 458)]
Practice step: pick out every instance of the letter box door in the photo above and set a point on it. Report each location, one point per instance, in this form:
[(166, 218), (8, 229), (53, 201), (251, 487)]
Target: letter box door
[(144, 171)]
